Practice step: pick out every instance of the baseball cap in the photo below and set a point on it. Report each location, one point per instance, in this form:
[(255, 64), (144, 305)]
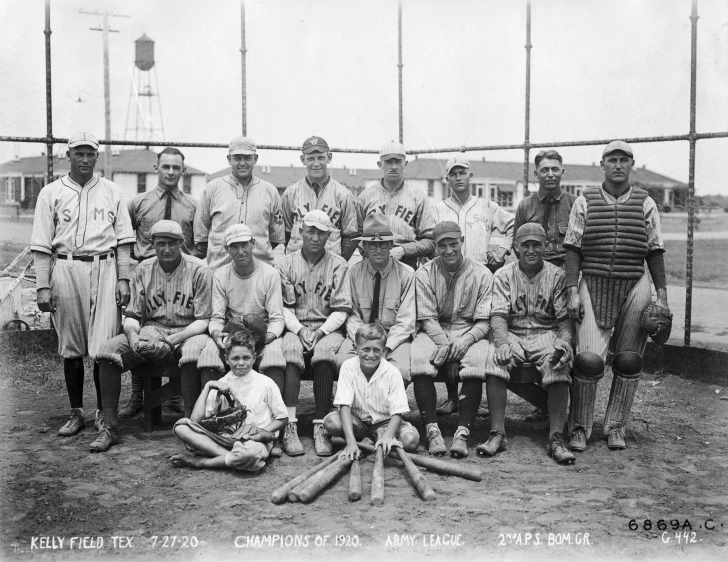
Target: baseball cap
[(617, 145), (446, 229), (376, 229), (238, 233), (530, 231), (456, 160), (392, 148), (314, 144), (242, 145), (319, 219), (81, 139), (167, 228)]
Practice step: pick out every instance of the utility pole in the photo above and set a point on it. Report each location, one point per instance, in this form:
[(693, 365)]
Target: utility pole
[(107, 88)]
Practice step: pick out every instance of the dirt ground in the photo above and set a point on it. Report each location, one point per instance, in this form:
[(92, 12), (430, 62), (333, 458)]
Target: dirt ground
[(674, 470)]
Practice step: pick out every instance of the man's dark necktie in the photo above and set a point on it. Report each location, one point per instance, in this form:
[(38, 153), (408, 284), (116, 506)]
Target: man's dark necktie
[(375, 299), (168, 206)]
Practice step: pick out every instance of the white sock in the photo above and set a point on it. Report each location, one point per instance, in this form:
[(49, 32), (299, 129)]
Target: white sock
[(291, 414), (462, 430), (429, 426)]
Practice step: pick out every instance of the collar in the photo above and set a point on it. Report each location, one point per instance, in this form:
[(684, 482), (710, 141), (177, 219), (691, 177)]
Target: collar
[(624, 194), (160, 191), (445, 273), (377, 374), (542, 195), (180, 265), (536, 276), (321, 185), (78, 187), (232, 180), (372, 271), (399, 188), (454, 203)]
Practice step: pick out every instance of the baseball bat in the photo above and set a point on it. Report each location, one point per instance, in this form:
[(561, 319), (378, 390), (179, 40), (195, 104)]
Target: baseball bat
[(355, 482), (418, 480), (280, 494), (319, 481), (436, 465), (378, 478)]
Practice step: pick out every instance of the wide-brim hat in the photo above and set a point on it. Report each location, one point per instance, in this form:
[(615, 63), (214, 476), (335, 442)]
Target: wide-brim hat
[(376, 229)]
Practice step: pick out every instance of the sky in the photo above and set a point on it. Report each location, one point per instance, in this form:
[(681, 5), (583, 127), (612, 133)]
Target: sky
[(329, 68)]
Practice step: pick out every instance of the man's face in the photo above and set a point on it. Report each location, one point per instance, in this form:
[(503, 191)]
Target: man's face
[(241, 252), (450, 250), (459, 179), (169, 170), (392, 167), (83, 159), (530, 253), (240, 359), (242, 166), (314, 240), (548, 173), (316, 164), (370, 352), (617, 165), (168, 249), (378, 253)]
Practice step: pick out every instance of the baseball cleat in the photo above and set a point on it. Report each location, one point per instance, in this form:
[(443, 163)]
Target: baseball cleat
[(578, 440), (105, 439), (437, 443), (448, 407), (536, 416), (133, 406), (275, 451), (321, 442), (615, 439), (291, 443), (74, 424), (176, 404), (497, 442), (558, 450), (459, 447)]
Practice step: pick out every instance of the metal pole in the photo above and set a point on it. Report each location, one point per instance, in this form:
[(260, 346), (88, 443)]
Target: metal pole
[(691, 174), (243, 51), (49, 105), (399, 66), (527, 134), (107, 101)]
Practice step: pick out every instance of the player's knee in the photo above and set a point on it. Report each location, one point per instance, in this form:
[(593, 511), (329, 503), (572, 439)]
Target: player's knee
[(627, 364), (332, 424), (588, 366), (410, 440)]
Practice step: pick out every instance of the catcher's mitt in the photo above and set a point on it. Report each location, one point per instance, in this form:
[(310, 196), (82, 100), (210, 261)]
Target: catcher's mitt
[(439, 355), (657, 322), (152, 346), (251, 323), (229, 420)]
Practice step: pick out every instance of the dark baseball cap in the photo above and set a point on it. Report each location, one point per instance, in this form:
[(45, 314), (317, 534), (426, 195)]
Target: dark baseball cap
[(530, 231), (314, 144), (446, 229)]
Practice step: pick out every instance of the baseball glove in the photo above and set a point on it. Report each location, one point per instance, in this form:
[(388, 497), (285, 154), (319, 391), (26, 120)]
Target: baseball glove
[(152, 346), (439, 355), (657, 322), (251, 323), (229, 420)]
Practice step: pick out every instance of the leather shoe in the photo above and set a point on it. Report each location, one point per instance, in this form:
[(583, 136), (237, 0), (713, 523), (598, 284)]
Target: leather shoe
[(578, 440), (321, 442), (459, 446), (291, 443), (536, 416), (133, 406), (104, 440), (448, 407), (558, 450), (497, 442), (615, 439), (437, 443), (74, 424)]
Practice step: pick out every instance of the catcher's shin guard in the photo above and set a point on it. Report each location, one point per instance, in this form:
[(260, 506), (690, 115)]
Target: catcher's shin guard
[(588, 370), (627, 370)]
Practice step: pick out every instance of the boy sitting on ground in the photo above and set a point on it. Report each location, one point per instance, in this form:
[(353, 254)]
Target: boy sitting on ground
[(371, 397), (236, 418)]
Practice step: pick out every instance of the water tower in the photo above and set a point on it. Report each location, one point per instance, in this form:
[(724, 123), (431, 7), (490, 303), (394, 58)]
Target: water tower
[(144, 110)]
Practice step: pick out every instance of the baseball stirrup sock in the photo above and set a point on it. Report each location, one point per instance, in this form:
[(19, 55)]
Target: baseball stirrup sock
[(276, 374), (558, 402), (97, 385), (583, 399), (110, 379), (207, 375), (426, 397), (73, 372), (323, 386), (471, 393), (191, 387), (621, 398), (452, 391), (137, 384), (497, 393), (292, 386)]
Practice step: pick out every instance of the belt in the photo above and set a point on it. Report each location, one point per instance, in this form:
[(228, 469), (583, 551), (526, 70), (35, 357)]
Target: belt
[(85, 258)]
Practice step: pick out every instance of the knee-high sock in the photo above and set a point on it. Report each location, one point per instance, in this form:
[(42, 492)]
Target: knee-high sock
[(558, 400), (292, 386), (207, 375), (137, 384), (323, 386), (497, 393), (426, 397), (73, 372), (110, 379), (276, 373), (471, 394), (191, 387), (452, 391), (97, 384)]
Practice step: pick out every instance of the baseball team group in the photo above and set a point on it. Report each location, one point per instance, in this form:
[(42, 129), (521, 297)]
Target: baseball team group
[(433, 294)]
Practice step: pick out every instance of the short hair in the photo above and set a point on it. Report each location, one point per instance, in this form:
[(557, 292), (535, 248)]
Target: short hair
[(241, 338), (171, 151), (371, 332), (550, 154)]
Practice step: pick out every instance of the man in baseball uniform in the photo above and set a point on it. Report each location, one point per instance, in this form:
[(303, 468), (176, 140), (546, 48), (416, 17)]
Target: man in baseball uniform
[(453, 308), (550, 207), (408, 209), (238, 198), (165, 202), (487, 232), (318, 190), (315, 304), (81, 242), (169, 305), (530, 324), (613, 230)]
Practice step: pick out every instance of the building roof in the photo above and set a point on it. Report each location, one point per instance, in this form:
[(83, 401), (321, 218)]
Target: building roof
[(127, 161), (283, 176)]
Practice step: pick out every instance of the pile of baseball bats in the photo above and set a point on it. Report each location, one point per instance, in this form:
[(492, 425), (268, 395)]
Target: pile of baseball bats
[(309, 484)]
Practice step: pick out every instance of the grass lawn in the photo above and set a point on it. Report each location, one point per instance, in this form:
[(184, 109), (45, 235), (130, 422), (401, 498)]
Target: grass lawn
[(710, 266), (717, 221)]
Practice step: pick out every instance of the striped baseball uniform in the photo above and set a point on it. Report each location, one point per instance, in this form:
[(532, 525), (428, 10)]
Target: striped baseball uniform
[(410, 217), (397, 310), (235, 296), (148, 208), (535, 310), (314, 296), (479, 220), (164, 304), (627, 331), (226, 202), (89, 221), (334, 199), (460, 303)]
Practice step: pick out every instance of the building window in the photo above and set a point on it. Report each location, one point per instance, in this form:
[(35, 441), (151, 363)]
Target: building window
[(430, 188), (505, 198), (187, 184), (141, 183)]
